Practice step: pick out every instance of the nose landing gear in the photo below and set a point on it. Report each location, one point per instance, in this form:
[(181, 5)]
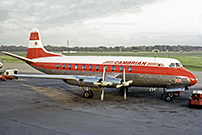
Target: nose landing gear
[(169, 97)]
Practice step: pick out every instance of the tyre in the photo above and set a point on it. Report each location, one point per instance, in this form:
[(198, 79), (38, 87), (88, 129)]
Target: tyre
[(91, 94), (86, 94), (168, 98)]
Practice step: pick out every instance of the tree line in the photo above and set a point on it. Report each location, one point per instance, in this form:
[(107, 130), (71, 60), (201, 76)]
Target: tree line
[(177, 48)]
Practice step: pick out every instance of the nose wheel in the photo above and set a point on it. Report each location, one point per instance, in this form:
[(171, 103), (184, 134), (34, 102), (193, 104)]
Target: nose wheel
[(169, 98)]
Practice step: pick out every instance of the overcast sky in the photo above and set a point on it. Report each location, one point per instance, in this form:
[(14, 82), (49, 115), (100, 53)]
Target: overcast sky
[(102, 22)]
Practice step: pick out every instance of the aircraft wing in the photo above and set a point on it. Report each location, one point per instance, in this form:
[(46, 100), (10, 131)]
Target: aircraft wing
[(79, 80)]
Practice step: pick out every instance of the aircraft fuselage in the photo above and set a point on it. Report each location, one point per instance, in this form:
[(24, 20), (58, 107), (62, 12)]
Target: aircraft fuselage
[(142, 75)]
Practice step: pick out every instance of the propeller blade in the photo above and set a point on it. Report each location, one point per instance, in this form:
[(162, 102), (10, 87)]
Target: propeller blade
[(119, 86), (102, 94), (124, 75), (130, 81), (124, 93), (103, 75)]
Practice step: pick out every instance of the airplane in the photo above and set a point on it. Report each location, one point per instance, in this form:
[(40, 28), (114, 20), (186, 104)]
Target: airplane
[(95, 73)]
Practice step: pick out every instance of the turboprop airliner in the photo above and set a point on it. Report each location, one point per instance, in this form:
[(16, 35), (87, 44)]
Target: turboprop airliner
[(95, 73)]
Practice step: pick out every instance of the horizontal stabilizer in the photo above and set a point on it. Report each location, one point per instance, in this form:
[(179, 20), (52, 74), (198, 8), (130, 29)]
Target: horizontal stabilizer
[(19, 57)]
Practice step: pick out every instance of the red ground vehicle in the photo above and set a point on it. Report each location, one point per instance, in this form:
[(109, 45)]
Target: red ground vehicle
[(196, 98)]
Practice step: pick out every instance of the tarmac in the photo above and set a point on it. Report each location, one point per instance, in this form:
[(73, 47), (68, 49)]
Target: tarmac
[(52, 107)]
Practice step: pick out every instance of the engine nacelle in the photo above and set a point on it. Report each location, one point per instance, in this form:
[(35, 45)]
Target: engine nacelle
[(88, 81)]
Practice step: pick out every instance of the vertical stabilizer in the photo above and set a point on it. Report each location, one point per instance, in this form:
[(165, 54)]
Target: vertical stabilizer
[(35, 47)]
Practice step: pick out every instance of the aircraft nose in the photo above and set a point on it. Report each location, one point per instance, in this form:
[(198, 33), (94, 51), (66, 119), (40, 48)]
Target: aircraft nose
[(193, 80)]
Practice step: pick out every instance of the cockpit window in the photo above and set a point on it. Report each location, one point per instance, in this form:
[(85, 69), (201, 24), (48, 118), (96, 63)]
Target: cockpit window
[(175, 65), (172, 65), (178, 65)]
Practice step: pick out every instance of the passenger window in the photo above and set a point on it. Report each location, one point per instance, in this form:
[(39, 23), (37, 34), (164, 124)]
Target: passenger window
[(57, 66), (90, 67), (63, 66), (121, 68), (113, 68), (130, 69), (70, 66), (97, 67), (84, 66), (76, 66)]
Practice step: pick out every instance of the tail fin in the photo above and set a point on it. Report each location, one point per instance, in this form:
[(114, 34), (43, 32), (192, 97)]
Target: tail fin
[(35, 47)]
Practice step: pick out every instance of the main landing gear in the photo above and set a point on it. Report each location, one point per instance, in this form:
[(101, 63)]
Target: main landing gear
[(102, 83), (88, 93)]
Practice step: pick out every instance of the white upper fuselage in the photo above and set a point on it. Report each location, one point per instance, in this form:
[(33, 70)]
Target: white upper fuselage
[(141, 61)]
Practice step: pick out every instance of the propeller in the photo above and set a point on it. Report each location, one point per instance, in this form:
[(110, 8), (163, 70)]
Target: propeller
[(102, 93), (125, 83), (103, 83)]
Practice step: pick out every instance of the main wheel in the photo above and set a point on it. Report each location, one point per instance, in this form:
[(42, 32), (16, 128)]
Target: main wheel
[(91, 93), (86, 94)]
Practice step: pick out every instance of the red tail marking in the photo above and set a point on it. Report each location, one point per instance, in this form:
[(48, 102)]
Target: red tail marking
[(38, 53), (34, 36)]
